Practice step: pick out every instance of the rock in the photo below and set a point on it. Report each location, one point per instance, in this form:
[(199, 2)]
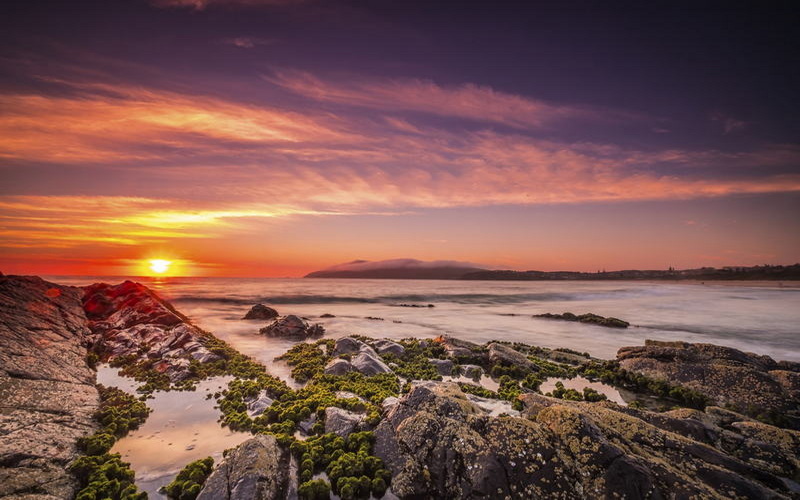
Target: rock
[(256, 469), (342, 422), (472, 371), (131, 320), (440, 444), (461, 350), (369, 364), (501, 354), (388, 347), (307, 424), (259, 406), (47, 392), (443, 366), (338, 366), (750, 383), (260, 311), (327, 315), (347, 345), (292, 326), (591, 318)]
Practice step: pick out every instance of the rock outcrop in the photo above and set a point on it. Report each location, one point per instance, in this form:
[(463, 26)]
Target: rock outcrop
[(47, 391), (293, 327), (131, 320), (593, 319), (439, 444), (260, 311), (750, 383), (257, 469)]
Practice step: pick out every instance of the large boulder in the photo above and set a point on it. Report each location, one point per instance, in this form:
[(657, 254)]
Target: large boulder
[(439, 444), (257, 469), (130, 320), (462, 350), (262, 312), (47, 391), (750, 383), (293, 327), (369, 364), (342, 422)]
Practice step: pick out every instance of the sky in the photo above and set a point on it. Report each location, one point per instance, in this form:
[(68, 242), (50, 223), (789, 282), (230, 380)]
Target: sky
[(278, 137)]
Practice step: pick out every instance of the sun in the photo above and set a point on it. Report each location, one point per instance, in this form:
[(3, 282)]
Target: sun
[(160, 266)]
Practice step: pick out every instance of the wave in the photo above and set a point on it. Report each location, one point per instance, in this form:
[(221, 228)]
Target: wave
[(458, 298)]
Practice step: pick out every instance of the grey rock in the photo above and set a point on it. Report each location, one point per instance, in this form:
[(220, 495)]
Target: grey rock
[(744, 381), (260, 311), (347, 345), (438, 443), (293, 327), (255, 470), (47, 392), (388, 347), (258, 406), (338, 366), (307, 424), (501, 354), (443, 366), (342, 422), (369, 364), (460, 349)]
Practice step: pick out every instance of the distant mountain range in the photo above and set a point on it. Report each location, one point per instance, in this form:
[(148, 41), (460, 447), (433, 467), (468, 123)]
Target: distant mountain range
[(416, 269)]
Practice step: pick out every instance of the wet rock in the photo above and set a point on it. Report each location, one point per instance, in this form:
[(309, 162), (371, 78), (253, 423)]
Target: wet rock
[(347, 345), (293, 327), (369, 364), (260, 405), (256, 469), (751, 383), (501, 354), (338, 366), (594, 319), (342, 422), (131, 320), (388, 347), (260, 311), (440, 444), (327, 315), (47, 392), (443, 366)]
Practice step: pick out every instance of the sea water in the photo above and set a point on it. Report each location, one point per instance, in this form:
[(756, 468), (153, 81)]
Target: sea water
[(757, 317)]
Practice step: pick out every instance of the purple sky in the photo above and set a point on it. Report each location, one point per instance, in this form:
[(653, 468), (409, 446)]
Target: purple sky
[(276, 137)]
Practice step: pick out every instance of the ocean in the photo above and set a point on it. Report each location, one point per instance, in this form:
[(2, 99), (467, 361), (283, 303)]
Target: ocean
[(759, 317)]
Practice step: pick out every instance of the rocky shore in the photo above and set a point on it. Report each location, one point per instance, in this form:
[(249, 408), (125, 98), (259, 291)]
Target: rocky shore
[(422, 418)]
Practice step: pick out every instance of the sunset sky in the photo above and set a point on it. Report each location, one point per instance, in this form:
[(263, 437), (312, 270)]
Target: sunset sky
[(277, 137)]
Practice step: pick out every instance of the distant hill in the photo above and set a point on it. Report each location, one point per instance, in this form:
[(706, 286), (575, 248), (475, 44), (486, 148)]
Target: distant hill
[(398, 269), (445, 270)]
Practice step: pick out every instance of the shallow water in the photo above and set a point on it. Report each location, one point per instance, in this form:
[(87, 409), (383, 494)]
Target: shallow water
[(578, 383), (181, 428)]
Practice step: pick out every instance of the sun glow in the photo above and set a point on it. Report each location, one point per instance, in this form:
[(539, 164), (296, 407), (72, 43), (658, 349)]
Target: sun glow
[(159, 266)]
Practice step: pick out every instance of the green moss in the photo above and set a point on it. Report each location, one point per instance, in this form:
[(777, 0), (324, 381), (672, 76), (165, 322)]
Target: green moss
[(413, 364), (318, 489), (308, 360), (190, 480), (352, 469), (102, 475)]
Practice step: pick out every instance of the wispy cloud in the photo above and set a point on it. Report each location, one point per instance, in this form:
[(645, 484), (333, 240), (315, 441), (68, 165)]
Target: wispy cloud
[(470, 101)]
